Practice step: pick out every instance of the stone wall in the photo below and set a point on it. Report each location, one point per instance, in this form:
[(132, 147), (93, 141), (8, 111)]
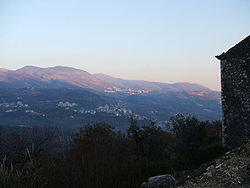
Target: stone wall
[(235, 85)]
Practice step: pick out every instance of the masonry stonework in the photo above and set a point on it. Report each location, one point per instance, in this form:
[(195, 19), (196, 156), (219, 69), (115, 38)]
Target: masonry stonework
[(235, 87)]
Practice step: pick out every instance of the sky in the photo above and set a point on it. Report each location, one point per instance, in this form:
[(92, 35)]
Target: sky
[(155, 40)]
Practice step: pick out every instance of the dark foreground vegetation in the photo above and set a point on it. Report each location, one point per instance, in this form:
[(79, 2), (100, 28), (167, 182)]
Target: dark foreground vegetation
[(100, 157)]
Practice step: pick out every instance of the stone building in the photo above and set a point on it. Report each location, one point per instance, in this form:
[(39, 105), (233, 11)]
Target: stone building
[(235, 86)]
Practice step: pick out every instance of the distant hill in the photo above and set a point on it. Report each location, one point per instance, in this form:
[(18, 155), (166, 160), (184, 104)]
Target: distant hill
[(59, 76), (57, 107), (3, 70), (64, 96), (54, 77)]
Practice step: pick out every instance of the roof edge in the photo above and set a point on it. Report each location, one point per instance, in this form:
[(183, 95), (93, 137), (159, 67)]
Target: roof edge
[(222, 56), (245, 43)]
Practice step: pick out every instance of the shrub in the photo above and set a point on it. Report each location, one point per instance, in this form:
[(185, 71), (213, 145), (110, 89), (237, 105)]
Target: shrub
[(9, 178)]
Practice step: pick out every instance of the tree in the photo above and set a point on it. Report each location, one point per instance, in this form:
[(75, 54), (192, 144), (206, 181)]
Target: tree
[(136, 133), (189, 132)]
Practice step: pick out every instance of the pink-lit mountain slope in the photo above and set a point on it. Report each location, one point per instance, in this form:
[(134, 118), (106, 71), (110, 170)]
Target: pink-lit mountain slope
[(59, 76)]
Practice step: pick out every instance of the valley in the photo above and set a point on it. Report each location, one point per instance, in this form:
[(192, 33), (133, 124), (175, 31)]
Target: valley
[(68, 97)]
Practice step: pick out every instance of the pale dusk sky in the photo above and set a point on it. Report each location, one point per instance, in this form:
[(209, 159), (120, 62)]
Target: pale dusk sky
[(155, 40)]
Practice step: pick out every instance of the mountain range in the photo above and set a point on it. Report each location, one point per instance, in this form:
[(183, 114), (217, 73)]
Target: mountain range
[(59, 76), (65, 96)]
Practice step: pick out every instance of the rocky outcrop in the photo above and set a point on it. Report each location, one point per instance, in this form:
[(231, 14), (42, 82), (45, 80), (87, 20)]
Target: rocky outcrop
[(162, 181), (232, 170)]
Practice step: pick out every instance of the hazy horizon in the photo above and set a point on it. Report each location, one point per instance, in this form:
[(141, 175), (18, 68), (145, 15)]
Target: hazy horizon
[(160, 41), (105, 74)]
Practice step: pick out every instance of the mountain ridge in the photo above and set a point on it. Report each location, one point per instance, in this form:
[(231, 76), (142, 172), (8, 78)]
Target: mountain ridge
[(33, 76), (64, 96)]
